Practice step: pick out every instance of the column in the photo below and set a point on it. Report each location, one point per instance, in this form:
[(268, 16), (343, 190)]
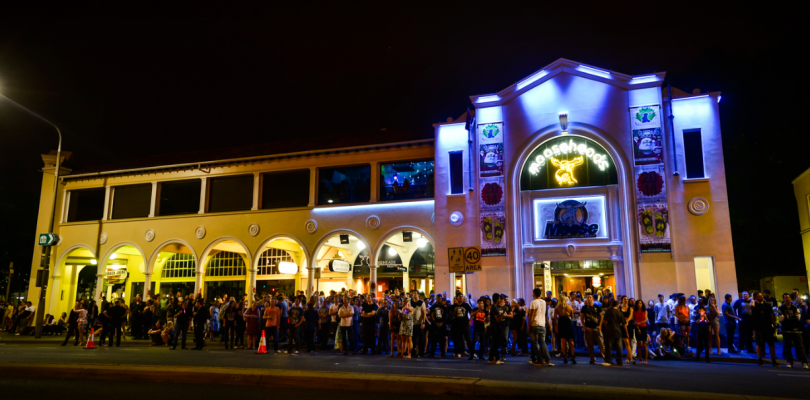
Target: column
[(203, 195), (406, 281), (372, 277), (198, 282), (524, 290), (313, 185), (251, 284), (107, 203), (99, 288), (375, 177), (153, 211), (147, 285), (310, 281), (56, 293), (256, 187)]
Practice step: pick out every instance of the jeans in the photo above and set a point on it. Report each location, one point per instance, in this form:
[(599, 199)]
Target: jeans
[(461, 335), (272, 330), (293, 335), (731, 327), (793, 339), (747, 333), (498, 343), (309, 338), (539, 346), (385, 339), (480, 336), (347, 338), (579, 338), (180, 329), (323, 335), (369, 337), (418, 340), (613, 343)]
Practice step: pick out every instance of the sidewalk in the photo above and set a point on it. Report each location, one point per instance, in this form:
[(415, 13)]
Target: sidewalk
[(381, 383)]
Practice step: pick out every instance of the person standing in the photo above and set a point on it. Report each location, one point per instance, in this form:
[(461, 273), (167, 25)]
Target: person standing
[(661, 318), (324, 323), (497, 316), (311, 321), (382, 318), (703, 331), (346, 314), (182, 317), (537, 329), (73, 324), (135, 318), (764, 323), (730, 317), (438, 321), (116, 315), (200, 317), (251, 318), (369, 325), (419, 317), (283, 308), (744, 308), (591, 315), (460, 326), (613, 324), (296, 319), (791, 319), (564, 329), (272, 314)]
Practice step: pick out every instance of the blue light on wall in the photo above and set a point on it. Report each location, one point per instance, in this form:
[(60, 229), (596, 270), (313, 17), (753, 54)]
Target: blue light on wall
[(643, 79), (377, 205), (594, 71), (487, 99), (528, 81)]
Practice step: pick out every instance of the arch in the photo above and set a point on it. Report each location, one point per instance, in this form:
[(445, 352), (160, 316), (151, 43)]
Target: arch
[(394, 231), (102, 266), (313, 261), (66, 253), (207, 251), (266, 242), (624, 174), (150, 267)]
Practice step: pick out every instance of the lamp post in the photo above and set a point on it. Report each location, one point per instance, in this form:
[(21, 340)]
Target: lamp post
[(46, 250), (10, 275)]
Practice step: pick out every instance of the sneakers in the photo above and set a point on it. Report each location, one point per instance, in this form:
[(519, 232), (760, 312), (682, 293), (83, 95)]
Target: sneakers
[(492, 362), (804, 366), (549, 363), (499, 362), (607, 364), (789, 365)]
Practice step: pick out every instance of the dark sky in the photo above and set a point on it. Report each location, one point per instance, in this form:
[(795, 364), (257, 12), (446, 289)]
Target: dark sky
[(127, 83)]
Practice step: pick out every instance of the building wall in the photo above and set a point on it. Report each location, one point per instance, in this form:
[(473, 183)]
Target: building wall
[(801, 187)]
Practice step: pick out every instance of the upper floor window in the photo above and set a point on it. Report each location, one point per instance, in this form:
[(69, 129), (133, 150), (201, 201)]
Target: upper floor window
[(269, 260), (133, 201), (226, 263), (233, 193), (86, 205), (285, 189), (177, 198), (179, 266), (456, 172), (693, 154), (344, 185), (406, 180)]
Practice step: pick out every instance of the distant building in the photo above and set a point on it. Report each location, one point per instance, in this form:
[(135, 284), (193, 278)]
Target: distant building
[(567, 182), (801, 187)]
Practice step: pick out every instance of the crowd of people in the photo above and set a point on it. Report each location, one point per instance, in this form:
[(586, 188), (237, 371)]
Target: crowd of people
[(617, 329)]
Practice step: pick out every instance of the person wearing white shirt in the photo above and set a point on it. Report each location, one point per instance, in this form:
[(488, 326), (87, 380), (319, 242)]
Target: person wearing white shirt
[(538, 322)]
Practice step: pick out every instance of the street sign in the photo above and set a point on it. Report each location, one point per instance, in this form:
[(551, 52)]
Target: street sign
[(455, 255), (472, 259), (48, 239)]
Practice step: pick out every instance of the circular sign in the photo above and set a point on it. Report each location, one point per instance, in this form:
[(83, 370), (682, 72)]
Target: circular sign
[(472, 255)]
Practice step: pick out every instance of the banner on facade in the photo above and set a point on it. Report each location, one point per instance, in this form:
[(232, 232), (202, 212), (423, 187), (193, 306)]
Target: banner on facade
[(650, 179), (492, 189)]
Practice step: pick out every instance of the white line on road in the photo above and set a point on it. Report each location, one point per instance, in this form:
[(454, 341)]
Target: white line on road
[(399, 366), (795, 376)]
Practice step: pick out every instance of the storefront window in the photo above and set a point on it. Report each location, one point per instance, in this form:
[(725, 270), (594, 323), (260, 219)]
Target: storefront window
[(230, 194), (179, 266), (226, 263), (86, 205), (178, 198), (269, 260), (133, 201), (216, 290), (568, 161), (408, 180), (344, 185)]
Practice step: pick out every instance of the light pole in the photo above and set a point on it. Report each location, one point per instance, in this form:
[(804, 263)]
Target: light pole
[(46, 250), (10, 275)]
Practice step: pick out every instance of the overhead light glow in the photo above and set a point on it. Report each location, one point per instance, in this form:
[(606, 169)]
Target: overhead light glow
[(643, 79), (720, 97), (691, 97), (361, 245), (421, 242), (379, 205), (486, 99), (593, 71), (113, 256), (93, 261), (528, 81), (286, 267), (391, 251), (329, 201)]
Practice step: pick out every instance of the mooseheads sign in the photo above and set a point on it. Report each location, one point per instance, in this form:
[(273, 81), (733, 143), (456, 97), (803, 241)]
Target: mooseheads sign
[(570, 218), (568, 161)]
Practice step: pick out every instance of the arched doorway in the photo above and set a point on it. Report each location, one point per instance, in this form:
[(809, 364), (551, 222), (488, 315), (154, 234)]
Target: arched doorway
[(571, 220), (405, 261), (124, 271), (335, 255), (174, 269), (224, 270), (281, 267), (75, 278)]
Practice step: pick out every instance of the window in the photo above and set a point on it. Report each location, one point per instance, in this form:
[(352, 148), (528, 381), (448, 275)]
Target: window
[(407, 180), (285, 189), (177, 198), (179, 266), (226, 263), (344, 185), (456, 172), (86, 205), (268, 262), (230, 194), (693, 154), (704, 273), (133, 201)]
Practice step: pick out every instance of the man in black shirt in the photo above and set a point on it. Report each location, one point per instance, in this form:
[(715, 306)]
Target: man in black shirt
[(743, 309), (612, 326), (368, 322), (496, 319), (182, 315), (764, 323), (792, 325), (201, 315), (438, 327), (116, 315), (419, 318), (591, 316), (135, 324), (460, 325)]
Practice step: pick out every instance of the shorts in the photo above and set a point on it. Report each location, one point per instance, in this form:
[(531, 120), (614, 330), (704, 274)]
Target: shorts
[(765, 337), (641, 333), (683, 324)]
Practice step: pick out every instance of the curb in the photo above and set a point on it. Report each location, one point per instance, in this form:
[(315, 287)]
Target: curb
[(350, 381)]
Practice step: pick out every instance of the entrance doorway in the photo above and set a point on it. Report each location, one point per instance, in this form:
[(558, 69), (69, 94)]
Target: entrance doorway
[(582, 276)]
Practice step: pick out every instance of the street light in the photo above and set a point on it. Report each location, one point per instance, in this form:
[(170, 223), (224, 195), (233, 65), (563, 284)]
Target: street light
[(46, 250)]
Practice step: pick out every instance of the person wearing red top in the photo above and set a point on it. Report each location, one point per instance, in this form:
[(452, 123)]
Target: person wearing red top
[(271, 316), (640, 317)]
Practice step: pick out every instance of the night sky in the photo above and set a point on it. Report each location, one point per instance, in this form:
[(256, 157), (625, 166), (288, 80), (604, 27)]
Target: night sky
[(131, 83)]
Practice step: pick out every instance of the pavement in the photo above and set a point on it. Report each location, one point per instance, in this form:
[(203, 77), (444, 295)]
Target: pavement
[(382, 374)]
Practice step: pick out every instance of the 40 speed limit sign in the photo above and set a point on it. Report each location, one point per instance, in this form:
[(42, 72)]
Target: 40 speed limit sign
[(472, 259)]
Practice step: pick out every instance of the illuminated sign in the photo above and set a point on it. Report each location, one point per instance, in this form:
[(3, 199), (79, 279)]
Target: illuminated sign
[(286, 267), (570, 218), (567, 161), (339, 266)]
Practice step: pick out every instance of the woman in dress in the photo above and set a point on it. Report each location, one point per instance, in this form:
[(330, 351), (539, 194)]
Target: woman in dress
[(627, 313), (406, 330), (640, 318), (213, 327), (714, 325), (682, 316), (565, 330), (251, 316), (73, 324), (394, 322), (82, 322)]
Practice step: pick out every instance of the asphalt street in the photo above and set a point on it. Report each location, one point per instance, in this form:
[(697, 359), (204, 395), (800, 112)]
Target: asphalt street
[(717, 377)]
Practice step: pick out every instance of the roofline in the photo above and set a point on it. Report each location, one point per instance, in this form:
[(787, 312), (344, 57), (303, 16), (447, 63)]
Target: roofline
[(572, 67), (800, 176), (231, 160)]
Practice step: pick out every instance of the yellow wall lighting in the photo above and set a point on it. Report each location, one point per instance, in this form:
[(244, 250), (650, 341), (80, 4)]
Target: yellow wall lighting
[(565, 175)]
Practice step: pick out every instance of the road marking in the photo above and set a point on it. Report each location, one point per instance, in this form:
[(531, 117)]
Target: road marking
[(399, 366), (795, 376)]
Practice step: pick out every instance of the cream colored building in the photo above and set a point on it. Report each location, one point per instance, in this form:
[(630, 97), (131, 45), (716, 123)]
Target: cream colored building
[(801, 187)]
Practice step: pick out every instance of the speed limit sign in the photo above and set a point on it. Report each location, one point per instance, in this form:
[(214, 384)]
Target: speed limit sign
[(472, 259)]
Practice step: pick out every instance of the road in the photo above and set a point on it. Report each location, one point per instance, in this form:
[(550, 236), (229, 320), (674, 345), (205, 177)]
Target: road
[(718, 377)]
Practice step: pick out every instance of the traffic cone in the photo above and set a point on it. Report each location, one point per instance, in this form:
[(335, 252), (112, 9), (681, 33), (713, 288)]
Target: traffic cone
[(262, 346), (91, 344)]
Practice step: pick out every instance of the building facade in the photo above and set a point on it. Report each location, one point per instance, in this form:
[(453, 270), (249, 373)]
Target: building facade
[(801, 188), (574, 178)]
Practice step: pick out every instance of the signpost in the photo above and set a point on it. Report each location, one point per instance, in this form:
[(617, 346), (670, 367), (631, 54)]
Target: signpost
[(464, 259), (48, 239)]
